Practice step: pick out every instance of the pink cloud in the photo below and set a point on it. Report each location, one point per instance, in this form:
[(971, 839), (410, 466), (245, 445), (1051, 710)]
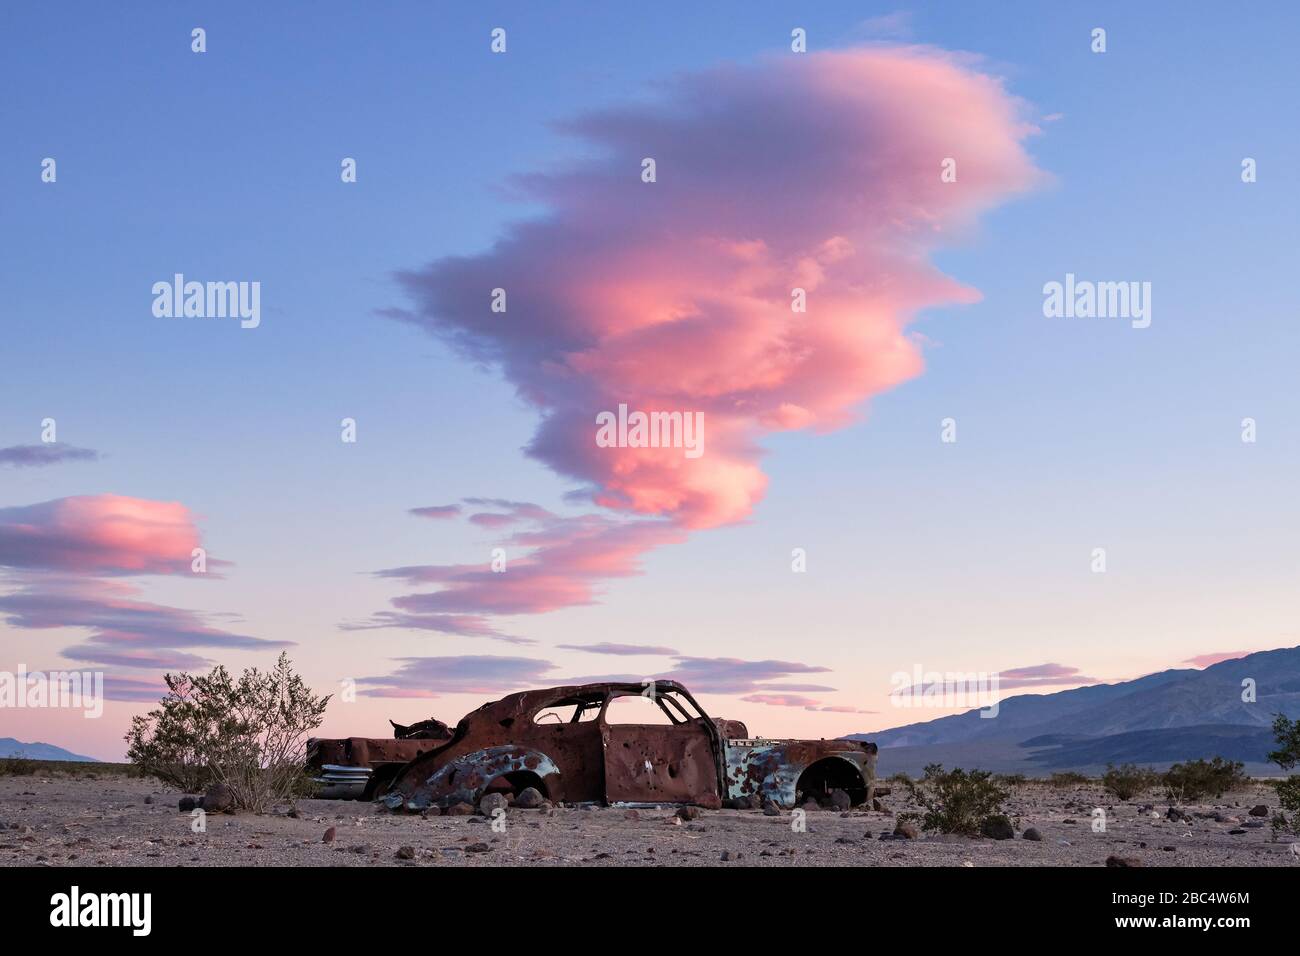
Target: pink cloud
[(551, 562), (807, 703), (62, 563), (819, 172), (436, 511), (1215, 657), (99, 534), (468, 674), (621, 650)]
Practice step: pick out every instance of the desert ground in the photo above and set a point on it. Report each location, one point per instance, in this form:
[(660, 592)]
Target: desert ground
[(100, 818)]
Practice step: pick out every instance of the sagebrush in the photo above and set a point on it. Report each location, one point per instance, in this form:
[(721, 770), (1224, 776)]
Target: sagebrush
[(1128, 780), (249, 734), (957, 801), (1198, 779)]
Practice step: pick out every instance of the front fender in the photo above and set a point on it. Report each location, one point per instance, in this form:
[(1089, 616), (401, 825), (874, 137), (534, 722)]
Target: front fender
[(463, 779)]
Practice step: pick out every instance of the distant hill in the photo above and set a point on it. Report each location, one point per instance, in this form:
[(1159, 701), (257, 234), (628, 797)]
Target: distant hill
[(1158, 719), (9, 747)]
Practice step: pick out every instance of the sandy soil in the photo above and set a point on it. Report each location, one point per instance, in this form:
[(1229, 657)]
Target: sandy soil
[(105, 821)]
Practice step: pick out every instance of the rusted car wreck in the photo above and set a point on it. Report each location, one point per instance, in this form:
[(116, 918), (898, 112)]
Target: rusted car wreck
[(639, 744)]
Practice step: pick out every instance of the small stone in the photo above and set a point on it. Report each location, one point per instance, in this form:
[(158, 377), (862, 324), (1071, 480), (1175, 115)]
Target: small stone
[(530, 798), (1259, 811), (840, 800), (329, 836), (492, 802), (218, 798), (187, 804), (1032, 834), (1123, 861), (770, 809), (907, 830), (459, 810), (149, 799), (688, 812), (406, 853), (477, 848), (631, 815), (997, 827)]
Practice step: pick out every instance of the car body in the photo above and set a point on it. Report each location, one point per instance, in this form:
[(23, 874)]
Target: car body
[(355, 768), (595, 743)]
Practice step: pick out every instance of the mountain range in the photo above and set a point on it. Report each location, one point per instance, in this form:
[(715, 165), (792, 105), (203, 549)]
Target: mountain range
[(9, 747), (1158, 719)]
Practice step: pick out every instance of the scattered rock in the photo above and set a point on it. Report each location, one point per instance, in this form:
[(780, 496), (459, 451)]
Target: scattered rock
[(1256, 811), (809, 806), (1123, 861), (998, 827), (149, 799), (329, 836), (840, 800), (491, 802), (631, 815), (187, 804), (906, 829), (218, 798), (878, 806), (846, 840), (477, 848), (688, 813), (459, 810), (530, 798), (406, 853), (1236, 831), (1032, 834), (770, 809), (1174, 815)]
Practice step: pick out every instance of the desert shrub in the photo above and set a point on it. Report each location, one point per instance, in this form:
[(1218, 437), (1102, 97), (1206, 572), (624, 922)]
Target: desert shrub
[(1287, 734), (900, 779), (1010, 779), (249, 734), (1128, 780), (957, 801), (17, 766), (1198, 779), (1067, 778)]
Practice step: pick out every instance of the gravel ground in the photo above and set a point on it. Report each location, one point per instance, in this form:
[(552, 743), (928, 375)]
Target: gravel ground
[(58, 820)]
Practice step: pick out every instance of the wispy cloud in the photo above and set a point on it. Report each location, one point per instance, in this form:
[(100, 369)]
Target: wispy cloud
[(1215, 657), (64, 564), (621, 650), (36, 456)]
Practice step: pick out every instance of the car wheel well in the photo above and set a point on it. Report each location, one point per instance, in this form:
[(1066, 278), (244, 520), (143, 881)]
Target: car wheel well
[(831, 773)]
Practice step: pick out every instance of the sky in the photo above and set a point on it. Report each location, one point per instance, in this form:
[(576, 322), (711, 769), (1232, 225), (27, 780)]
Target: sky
[(370, 561)]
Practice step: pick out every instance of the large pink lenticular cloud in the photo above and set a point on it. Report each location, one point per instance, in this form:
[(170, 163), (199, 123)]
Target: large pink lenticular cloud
[(816, 172), (819, 172)]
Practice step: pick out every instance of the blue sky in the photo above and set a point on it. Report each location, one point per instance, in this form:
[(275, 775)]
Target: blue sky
[(1073, 434)]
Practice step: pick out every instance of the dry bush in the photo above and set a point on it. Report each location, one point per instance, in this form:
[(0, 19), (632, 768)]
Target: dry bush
[(249, 734), (1198, 779), (1128, 780), (957, 801)]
